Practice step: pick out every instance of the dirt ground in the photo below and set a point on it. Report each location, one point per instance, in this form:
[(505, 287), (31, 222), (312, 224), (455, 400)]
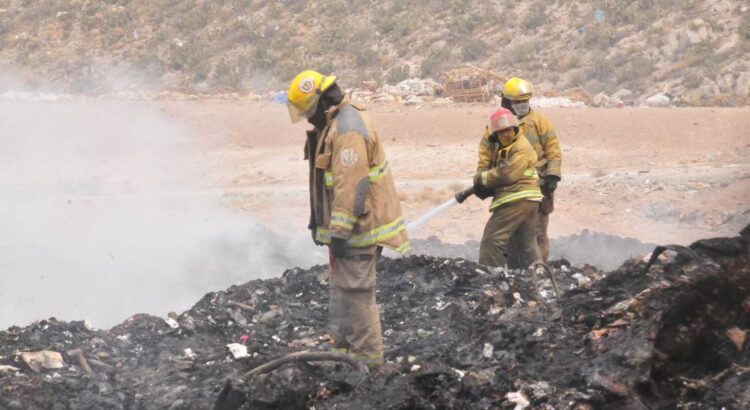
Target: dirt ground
[(658, 175)]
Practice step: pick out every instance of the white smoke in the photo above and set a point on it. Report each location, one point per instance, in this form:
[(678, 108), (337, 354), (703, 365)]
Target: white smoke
[(105, 212)]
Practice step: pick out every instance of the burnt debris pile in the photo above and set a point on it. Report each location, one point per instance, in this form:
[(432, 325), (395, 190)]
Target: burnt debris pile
[(670, 333)]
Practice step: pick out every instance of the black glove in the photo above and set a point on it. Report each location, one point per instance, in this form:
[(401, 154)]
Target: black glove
[(493, 138), (338, 247), (550, 183), (482, 192)]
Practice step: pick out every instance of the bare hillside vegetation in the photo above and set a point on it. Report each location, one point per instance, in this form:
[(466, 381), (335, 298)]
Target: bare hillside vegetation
[(693, 50)]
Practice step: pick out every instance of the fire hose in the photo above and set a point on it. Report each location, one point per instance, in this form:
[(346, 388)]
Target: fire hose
[(459, 198)]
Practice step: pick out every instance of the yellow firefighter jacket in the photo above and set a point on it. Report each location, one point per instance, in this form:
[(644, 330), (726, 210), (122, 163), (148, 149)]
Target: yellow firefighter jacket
[(352, 194), (508, 167), (540, 134)]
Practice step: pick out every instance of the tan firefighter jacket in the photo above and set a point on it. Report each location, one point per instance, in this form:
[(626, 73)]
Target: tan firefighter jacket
[(508, 167), (352, 194), (542, 137), (540, 134)]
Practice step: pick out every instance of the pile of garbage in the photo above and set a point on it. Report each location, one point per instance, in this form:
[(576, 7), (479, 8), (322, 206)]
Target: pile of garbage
[(667, 333), (413, 91), (625, 97), (418, 91), (562, 102)]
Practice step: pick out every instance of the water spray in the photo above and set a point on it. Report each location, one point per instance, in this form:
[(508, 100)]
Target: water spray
[(412, 226), (459, 198)]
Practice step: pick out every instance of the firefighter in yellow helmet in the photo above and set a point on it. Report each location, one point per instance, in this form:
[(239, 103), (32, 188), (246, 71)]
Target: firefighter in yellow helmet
[(542, 137), (354, 207), (507, 171)]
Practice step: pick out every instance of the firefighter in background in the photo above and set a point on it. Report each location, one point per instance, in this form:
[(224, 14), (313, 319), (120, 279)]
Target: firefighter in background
[(542, 137), (354, 207), (506, 170)]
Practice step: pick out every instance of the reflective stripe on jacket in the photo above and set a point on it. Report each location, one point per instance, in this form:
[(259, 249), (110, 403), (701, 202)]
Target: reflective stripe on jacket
[(509, 170), (352, 191)]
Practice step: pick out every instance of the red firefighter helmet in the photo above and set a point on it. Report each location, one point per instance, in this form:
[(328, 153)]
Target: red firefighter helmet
[(501, 119)]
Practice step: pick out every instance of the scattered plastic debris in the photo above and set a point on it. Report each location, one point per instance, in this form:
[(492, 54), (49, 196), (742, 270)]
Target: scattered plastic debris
[(518, 399), (43, 359), (237, 350)]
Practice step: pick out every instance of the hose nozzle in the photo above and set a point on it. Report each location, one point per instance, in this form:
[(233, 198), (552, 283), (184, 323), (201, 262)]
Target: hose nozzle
[(461, 196)]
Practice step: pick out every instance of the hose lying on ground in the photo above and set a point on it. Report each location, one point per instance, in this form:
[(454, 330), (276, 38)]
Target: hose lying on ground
[(304, 357), (682, 251)]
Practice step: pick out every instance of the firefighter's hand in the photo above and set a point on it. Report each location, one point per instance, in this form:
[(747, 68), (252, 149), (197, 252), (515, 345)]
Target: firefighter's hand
[(550, 183), (315, 238), (338, 247), (313, 234), (482, 192)]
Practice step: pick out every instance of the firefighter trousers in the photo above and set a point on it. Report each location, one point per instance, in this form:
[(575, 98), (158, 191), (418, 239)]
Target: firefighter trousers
[(354, 314), (517, 221), (542, 240), (546, 208)]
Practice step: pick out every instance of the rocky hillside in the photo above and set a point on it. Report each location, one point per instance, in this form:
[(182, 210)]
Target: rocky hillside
[(696, 51)]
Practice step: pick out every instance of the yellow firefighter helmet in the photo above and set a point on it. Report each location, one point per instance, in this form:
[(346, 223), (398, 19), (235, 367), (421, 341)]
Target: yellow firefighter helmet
[(517, 89), (305, 91)]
